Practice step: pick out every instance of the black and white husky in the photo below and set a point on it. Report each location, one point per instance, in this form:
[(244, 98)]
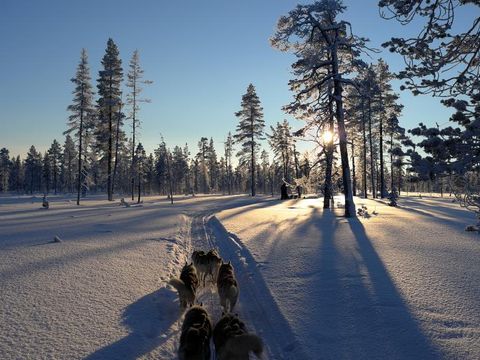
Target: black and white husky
[(187, 285), (232, 340), (227, 287), (196, 334)]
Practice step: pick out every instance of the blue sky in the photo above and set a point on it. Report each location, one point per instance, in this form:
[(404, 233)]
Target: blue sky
[(201, 56)]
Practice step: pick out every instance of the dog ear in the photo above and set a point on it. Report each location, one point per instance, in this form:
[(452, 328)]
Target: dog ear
[(229, 262)]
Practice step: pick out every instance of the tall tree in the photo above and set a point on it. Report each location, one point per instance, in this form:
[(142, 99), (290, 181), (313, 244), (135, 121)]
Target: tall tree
[(4, 169), (109, 101), (250, 130), (134, 82), (228, 161), (281, 141), (55, 159), (327, 53), (82, 114), (68, 165), (33, 170), (141, 160)]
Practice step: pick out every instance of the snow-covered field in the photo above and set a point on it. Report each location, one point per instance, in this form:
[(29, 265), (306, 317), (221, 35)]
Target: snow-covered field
[(402, 284)]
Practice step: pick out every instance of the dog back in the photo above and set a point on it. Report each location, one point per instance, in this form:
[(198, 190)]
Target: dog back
[(196, 334), (189, 277), (232, 341)]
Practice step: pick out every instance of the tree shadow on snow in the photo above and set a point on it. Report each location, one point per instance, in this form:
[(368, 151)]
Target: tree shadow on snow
[(149, 320), (382, 315)]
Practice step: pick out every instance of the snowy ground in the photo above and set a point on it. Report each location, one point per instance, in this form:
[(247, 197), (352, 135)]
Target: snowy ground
[(400, 285)]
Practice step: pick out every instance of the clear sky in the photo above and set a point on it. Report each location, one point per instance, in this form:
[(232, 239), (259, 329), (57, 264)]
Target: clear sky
[(201, 56)]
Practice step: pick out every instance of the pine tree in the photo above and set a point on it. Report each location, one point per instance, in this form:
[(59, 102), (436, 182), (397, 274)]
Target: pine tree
[(68, 164), (135, 82), (250, 130), (141, 159), (46, 173), (212, 164), (82, 114), (4, 169), (327, 53), (228, 162), (109, 101), (281, 141), (33, 170), (55, 159), (16, 175), (202, 157)]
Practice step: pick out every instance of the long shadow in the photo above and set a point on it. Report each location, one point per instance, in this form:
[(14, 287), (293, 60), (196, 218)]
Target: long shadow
[(256, 298), (399, 333), (149, 320)]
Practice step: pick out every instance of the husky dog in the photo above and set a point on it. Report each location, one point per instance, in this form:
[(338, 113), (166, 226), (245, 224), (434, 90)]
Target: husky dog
[(196, 334), (186, 285), (233, 342), (227, 287), (206, 264)]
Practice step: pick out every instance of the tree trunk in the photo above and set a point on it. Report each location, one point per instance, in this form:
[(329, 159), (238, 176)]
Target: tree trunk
[(117, 135), (364, 133), (80, 144), (337, 94), (328, 190), (253, 160), (382, 170), (110, 147), (370, 138), (132, 175), (354, 177), (391, 163)]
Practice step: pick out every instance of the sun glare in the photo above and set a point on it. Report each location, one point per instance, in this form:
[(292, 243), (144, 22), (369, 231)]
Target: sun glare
[(327, 136)]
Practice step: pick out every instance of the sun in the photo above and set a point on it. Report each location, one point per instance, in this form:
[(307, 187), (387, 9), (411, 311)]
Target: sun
[(327, 136)]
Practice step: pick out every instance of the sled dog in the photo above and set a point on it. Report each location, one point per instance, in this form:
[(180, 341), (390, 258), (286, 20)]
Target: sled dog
[(227, 287), (206, 264), (196, 334), (233, 342), (186, 285)]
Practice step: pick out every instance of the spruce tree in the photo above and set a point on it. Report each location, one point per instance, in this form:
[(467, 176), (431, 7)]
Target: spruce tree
[(4, 169), (135, 82), (250, 130), (109, 102), (55, 158), (82, 114), (327, 53)]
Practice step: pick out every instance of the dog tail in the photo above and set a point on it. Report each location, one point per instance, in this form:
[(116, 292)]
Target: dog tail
[(232, 296), (179, 285), (245, 343)]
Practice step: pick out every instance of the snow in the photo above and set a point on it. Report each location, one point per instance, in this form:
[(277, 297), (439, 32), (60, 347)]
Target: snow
[(401, 284)]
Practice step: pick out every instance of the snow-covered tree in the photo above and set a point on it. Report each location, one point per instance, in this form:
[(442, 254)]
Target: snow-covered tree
[(327, 52), (135, 82), (438, 59), (282, 142), (82, 114), (109, 101), (250, 130)]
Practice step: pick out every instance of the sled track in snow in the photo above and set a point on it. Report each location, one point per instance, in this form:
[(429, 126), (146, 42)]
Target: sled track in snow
[(256, 305)]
